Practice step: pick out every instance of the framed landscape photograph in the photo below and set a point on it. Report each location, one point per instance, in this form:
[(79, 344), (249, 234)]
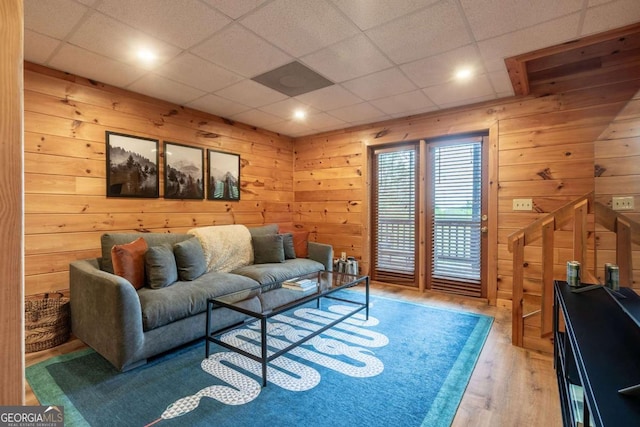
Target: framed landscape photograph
[(224, 176), (132, 166), (183, 171)]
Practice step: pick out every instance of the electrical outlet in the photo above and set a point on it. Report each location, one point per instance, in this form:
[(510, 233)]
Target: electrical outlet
[(522, 204), (622, 203)]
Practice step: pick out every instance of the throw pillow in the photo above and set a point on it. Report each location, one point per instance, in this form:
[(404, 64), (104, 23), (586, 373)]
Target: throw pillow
[(160, 265), (289, 248), (267, 249), (190, 259), (264, 230), (300, 242), (128, 261)]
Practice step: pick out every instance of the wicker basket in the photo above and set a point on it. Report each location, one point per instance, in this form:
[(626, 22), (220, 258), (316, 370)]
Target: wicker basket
[(47, 321)]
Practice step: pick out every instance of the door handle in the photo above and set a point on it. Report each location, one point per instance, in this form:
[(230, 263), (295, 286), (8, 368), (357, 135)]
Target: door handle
[(484, 229)]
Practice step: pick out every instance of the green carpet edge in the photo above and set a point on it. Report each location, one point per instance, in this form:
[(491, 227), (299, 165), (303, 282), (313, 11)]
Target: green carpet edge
[(449, 397), (48, 392)]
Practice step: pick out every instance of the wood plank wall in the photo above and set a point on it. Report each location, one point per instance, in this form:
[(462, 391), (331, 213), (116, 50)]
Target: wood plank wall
[(545, 151), (66, 210), (617, 158), (11, 228)]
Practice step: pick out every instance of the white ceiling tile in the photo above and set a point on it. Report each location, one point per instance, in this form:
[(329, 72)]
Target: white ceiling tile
[(379, 85), (407, 113), (441, 68), (329, 98), (160, 87), (285, 109), (610, 16), (468, 101), (81, 62), (168, 19), (219, 106), (297, 29), (198, 73), (250, 93), (256, 118), (367, 13), (54, 18), (356, 113), (323, 121), (433, 30), (495, 50), (241, 51), (454, 92), (108, 37), (348, 59), (501, 82), (289, 127), (514, 14), (235, 8), (404, 102), (37, 47)]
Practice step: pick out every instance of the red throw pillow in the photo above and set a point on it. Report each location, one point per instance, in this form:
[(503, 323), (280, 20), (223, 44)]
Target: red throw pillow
[(300, 240), (128, 261)]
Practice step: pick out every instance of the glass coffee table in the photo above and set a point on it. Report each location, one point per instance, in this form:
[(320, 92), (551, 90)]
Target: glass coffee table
[(328, 286)]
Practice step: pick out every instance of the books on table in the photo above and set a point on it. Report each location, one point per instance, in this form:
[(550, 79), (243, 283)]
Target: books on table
[(301, 285)]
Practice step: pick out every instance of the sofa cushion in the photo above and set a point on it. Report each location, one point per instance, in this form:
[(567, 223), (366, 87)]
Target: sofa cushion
[(278, 272), (184, 299), (160, 266), (108, 240), (128, 261), (289, 248), (267, 248), (189, 259)]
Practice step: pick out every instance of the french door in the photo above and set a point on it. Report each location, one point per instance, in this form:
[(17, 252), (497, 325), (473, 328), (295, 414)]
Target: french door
[(428, 215)]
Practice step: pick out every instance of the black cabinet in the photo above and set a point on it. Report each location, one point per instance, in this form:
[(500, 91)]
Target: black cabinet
[(596, 353)]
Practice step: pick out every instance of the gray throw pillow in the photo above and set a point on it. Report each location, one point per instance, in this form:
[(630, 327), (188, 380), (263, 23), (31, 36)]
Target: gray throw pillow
[(190, 259), (267, 249), (263, 230), (289, 248), (160, 266)]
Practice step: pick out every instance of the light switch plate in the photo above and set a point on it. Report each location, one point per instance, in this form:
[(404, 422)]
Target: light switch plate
[(625, 203), (522, 204)]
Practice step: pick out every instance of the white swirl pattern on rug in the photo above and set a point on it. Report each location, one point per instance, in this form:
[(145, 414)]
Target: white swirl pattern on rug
[(291, 375)]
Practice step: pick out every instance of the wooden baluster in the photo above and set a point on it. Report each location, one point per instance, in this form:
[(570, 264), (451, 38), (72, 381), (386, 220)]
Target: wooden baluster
[(623, 252), (580, 234), (517, 327), (546, 319)]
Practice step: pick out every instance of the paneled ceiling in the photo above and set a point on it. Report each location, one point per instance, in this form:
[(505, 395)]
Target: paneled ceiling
[(386, 58)]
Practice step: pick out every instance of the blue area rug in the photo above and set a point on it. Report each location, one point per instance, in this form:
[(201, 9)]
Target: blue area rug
[(408, 365)]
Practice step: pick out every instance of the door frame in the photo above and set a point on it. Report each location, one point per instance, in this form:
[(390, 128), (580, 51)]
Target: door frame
[(492, 205)]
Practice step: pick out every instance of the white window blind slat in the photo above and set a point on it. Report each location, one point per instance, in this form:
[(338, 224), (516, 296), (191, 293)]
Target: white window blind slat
[(395, 215)]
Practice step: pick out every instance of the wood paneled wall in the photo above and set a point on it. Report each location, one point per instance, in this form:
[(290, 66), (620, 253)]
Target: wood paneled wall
[(66, 210), (617, 159), (11, 228), (544, 149)]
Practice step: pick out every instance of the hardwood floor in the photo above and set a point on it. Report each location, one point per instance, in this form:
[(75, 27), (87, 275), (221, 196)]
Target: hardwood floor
[(510, 386)]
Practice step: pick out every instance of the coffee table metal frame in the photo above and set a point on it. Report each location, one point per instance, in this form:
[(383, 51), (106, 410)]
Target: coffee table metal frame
[(345, 281)]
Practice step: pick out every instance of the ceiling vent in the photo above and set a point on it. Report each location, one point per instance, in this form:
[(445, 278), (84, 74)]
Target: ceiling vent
[(293, 79)]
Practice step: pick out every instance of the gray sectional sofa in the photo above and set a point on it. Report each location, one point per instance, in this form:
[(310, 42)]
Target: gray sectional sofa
[(128, 325)]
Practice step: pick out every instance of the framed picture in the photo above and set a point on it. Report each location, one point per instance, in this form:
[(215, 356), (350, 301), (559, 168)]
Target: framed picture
[(183, 171), (132, 166), (224, 176)]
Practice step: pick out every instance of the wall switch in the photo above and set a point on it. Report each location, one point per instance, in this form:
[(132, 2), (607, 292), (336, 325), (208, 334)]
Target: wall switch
[(622, 203), (522, 204)]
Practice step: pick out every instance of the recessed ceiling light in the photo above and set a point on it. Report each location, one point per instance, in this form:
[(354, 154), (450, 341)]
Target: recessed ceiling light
[(299, 114), (464, 73), (146, 55)]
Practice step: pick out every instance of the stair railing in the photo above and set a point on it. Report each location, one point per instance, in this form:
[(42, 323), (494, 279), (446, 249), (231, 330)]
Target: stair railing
[(627, 232)]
